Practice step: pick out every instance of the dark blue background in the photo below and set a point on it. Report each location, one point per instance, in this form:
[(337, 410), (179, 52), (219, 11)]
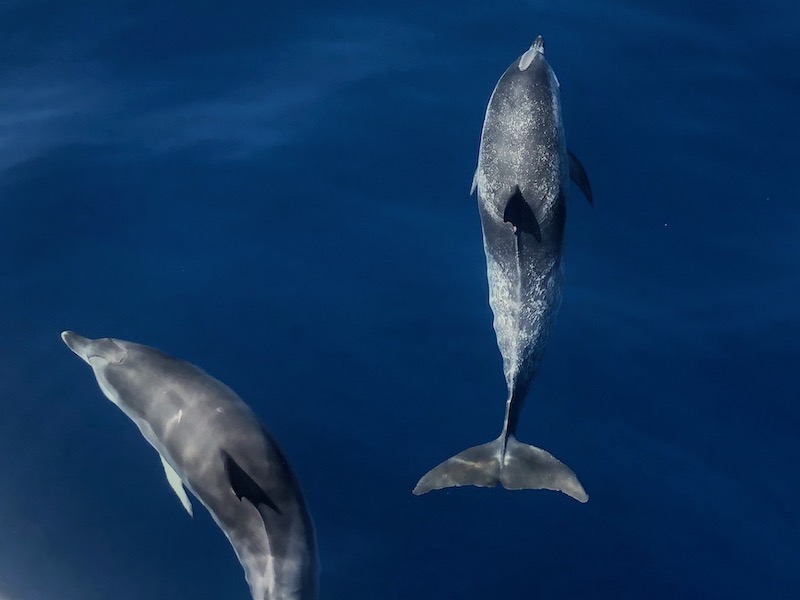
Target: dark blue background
[(279, 193)]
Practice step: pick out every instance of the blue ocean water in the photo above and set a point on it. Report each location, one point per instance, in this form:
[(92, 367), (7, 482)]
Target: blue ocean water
[(279, 193)]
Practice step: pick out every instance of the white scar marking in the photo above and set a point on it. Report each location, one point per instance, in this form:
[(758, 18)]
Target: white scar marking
[(173, 421)]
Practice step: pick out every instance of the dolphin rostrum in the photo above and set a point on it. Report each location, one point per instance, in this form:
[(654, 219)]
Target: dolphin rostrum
[(212, 444), (523, 168)]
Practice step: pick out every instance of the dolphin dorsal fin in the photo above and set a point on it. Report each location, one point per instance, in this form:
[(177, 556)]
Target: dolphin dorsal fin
[(519, 213), (578, 174), (244, 486), (176, 484)]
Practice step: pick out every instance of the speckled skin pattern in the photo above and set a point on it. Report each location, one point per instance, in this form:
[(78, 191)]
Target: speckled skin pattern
[(522, 146)]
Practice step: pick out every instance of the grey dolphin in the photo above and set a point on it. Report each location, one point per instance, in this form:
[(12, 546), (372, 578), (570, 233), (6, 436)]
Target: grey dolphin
[(211, 443), (523, 168)]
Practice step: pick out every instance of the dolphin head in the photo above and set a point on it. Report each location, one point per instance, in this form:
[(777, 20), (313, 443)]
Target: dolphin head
[(99, 352), (106, 357), (532, 69), (535, 51)]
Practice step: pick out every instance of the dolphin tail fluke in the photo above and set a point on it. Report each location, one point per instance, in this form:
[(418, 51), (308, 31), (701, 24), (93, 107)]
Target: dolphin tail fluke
[(520, 467), (479, 465), (527, 467)]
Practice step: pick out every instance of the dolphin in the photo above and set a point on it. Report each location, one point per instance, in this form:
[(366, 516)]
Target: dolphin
[(521, 179), (212, 444)]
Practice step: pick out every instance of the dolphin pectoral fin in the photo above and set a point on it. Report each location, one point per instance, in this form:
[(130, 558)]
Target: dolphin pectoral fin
[(520, 214), (474, 183), (176, 484), (244, 486), (528, 467), (478, 466), (578, 174)]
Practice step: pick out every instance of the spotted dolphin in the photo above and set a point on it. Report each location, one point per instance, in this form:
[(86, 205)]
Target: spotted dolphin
[(522, 180), (212, 444)]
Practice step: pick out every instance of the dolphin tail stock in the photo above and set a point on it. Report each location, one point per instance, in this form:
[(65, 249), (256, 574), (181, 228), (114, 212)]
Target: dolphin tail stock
[(514, 465)]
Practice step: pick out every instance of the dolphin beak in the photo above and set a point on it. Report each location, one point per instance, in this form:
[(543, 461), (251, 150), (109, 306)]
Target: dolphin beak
[(77, 343)]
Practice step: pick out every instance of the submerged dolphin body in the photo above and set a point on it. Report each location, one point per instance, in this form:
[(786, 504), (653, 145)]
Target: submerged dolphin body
[(212, 444), (522, 178)]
